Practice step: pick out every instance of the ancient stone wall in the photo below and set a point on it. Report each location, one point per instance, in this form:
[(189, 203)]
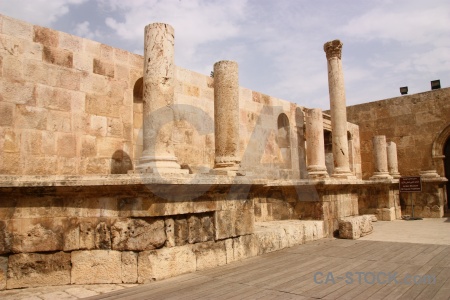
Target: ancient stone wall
[(411, 121), (74, 106)]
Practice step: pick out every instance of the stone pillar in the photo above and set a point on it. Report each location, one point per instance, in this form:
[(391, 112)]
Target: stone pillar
[(338, 110), (392, 161), (315, 144), (380, 158), (226, 117), (158, 97)]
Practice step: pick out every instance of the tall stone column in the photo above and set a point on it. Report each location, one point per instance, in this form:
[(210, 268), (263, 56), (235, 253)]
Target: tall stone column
[(338, 109), (226, 117), (158, 97), (380, 158), (315, 144), (392, 161)]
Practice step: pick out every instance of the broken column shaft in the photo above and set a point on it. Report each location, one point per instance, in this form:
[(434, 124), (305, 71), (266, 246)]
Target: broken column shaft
[(315, 144), (338, 110), (226, 116), (158, 97)]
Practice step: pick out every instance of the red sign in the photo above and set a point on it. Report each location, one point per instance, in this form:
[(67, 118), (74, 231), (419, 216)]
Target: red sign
[(410, 184)]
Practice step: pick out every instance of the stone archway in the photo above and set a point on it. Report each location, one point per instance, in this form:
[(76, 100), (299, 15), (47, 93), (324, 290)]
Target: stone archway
[(437, 151), (284, 139)]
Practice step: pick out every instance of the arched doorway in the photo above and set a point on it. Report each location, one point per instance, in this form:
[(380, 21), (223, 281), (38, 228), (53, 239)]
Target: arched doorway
[(447, 168), (284, 140)]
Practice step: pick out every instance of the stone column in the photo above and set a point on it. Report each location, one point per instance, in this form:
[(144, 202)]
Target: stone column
[(338, 109), (158, 97), (380, 158), (392, 161), (315, 144), (226, 117)]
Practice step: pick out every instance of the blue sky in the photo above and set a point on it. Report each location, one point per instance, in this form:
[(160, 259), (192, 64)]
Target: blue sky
[(278, 44)]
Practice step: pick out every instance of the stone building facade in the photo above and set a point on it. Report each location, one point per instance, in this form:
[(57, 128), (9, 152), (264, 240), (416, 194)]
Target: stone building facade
[(116, 167), (419, 126)]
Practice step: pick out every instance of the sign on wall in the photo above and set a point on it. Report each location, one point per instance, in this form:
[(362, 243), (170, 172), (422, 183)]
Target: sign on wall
[(410, 184)]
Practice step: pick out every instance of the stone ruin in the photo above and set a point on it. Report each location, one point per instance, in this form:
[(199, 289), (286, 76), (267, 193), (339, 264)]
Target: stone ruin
[(118, 168)]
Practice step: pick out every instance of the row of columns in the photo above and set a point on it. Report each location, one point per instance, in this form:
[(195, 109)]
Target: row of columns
[(158, 99), (385, 159)]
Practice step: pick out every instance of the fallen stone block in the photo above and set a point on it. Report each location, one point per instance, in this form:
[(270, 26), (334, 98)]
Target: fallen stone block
[(33, 270), (96, 266), (355, 227)]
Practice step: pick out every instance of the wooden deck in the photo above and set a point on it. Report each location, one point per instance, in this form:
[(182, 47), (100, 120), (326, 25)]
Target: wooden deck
[(289, 274)]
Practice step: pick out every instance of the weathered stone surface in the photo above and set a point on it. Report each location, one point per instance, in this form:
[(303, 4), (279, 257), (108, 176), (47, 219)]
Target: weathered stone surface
[(138, 234), (129, 267), (245, 246), (5, 238), (3, 271), (231, 223), (201, 228), (388, 214), (102, 236), (181, 231), (170, 232), (210, 254), (165, 263), (355, 227), (32, 270), (86, 235), (96, 266), (31, 235), (313, 230)]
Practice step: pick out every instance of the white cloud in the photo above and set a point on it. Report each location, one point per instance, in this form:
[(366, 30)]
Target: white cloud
[(196, 22), (41, 12), (83, 30)]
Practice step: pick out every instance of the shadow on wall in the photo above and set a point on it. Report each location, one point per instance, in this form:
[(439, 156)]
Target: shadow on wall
[(121, 163)]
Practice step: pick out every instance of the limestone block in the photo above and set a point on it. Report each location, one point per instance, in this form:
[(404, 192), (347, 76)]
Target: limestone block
[(129, 267), (57, 56), (388, 214), (355, 227), (66, 145), (12, 68), (245, 246), (17, 28), (224, 224), (3, 271), (87, 235), (5, 238), (244, 221), (138, 234), (46, 36), (31, 117), (72, 235), (295, 231), (36, 235), (102, 236), (181, 231), (33, 270), (96, 266), (210, 254), (268, 239), (103, 68), (313, 230), (169, 225), (165, 263)]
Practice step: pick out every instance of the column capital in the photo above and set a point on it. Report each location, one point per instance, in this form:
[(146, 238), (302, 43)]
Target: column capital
[(333, 49)]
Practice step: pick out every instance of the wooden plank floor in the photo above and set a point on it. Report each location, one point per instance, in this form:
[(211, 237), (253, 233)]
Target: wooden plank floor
[(290, 273)]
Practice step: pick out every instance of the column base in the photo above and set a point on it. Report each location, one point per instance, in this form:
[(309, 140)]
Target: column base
[(429, 174), (395, 175), (227, 172), (341, 173), (380, 176), (317, 172), (159, 164)]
